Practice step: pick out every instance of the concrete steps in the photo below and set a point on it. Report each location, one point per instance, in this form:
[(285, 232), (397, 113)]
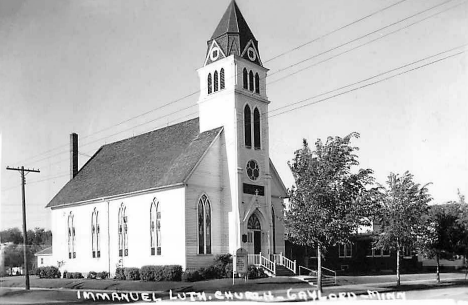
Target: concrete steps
[(283, 271), (312, 280)]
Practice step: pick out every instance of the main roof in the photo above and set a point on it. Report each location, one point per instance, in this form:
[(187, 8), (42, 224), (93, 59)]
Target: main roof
[(155, 159)]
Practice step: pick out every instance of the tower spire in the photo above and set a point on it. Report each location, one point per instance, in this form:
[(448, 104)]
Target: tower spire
[(233, 35)]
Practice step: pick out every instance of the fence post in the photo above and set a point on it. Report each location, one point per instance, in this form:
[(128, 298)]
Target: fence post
[(294, 266)]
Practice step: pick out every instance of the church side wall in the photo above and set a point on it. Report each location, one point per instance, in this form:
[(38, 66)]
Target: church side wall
[(83, 262), (208, 179), (139, 238), (279, 225), (139, 250), (277, 191)]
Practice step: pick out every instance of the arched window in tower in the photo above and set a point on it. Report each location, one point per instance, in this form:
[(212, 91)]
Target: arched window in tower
[(221, 78), (251, 81), (155, 227), (245, 79), (123, 231), (257, 83), (71, 236), (210, 88), (273, 222), (215, 81), (247, 127), (204, 225), (257, 129)]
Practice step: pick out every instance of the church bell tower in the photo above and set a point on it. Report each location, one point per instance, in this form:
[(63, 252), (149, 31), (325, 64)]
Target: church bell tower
[(233, 95)]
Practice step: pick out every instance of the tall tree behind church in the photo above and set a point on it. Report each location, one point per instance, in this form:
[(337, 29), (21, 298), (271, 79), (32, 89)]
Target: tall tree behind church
[(329, 201)]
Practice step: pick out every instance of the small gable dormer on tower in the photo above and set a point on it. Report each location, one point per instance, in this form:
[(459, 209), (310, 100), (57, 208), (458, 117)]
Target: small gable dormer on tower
[(233, 37)]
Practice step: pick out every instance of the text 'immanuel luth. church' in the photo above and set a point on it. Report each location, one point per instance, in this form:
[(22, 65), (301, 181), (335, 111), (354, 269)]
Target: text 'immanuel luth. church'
[(184, 193)]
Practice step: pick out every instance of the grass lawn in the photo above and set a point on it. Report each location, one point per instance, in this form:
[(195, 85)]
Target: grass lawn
[(266, 284)]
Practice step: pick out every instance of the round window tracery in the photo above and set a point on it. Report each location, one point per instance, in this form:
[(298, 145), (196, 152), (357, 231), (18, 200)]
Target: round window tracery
[(253, 170)]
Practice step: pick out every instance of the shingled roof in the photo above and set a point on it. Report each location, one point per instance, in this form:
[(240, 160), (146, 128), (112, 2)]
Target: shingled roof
[(233, 33), (155, 159)]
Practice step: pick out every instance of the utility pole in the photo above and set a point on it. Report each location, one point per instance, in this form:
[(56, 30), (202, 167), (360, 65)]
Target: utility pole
[(25, 237)]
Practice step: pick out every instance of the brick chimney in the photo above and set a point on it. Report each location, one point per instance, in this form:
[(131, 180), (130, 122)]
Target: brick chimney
[(73, 155)]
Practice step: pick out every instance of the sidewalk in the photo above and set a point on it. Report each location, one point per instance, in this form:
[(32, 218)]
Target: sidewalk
[(270, 289)]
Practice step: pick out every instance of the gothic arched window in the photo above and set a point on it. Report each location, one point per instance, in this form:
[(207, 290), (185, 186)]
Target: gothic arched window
[(95, 234), (254, 223), (210, 88), (251, 81), (221, 78), (257, 129), (215, 81), (71, 237), (123, 231), (155, 227), (257, 83), (247, 126), (204, 225), (245, 79)]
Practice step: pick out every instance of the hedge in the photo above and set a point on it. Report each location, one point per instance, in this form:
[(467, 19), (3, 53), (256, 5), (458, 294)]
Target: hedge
[(221, 267), (74, 275), (48, 272), (255, 273), (152, 273), (131, 274)]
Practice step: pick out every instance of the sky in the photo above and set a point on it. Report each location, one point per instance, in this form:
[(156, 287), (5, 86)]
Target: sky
[(109, 70)]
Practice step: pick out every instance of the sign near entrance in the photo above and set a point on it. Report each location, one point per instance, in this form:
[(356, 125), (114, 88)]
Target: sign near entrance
[(241, 260), (253, 189)]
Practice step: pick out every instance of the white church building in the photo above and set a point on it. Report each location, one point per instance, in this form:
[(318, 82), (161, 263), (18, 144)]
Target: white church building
[(184, 193)]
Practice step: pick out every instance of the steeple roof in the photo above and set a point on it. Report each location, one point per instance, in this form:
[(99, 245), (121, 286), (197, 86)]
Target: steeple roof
[(233, 23), (233, 33)]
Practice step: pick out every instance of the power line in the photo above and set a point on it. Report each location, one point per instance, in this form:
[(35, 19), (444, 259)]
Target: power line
[(364, 86), (331, 91), (193, 93), (359, 38), (364, 44), (369, 78), (334, 31)]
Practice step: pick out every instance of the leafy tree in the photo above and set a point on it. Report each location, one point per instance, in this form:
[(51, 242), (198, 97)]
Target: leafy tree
[(13, 235), (444, 233), (328, 202), (401, 215), (462, 220), (38, 236)]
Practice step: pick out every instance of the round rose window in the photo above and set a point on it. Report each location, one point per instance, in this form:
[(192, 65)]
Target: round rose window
[(253, 171)]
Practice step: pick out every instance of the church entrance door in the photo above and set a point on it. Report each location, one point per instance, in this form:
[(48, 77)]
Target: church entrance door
[(257, 242), (254, 225)]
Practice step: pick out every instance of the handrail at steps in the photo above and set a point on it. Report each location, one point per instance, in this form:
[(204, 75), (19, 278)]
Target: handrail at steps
[(267, 264), (310, 270), (291, 265), (334, 272), (259, 260)]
